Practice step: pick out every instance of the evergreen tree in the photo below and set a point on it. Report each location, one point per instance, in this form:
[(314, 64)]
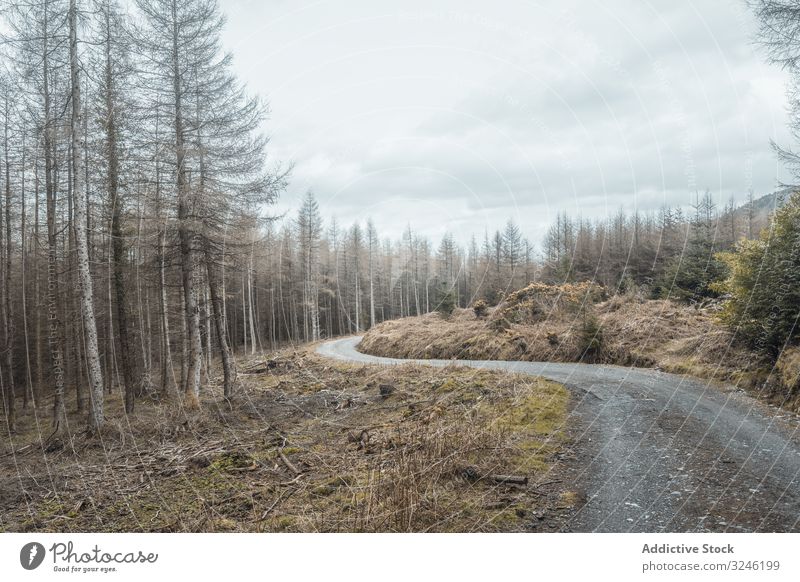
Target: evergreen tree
[(446, 301), (691, 275), (764, 283)]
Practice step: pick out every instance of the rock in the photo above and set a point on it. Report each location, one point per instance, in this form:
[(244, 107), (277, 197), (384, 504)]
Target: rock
[(470, 473), (200, 462)]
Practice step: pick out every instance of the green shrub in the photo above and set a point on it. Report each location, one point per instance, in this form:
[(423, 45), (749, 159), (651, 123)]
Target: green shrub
[(481, 308), (591, 338), (446, 302)]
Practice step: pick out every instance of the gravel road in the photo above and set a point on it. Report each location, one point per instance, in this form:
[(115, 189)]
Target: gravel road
[(658, 452)]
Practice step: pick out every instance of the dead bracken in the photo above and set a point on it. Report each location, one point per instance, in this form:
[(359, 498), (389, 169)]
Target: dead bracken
[(579, 323)]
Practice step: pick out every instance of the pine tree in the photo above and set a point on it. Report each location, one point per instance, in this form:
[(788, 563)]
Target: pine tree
[(446, 300), (512, 251), (691, 275), (764, 283)]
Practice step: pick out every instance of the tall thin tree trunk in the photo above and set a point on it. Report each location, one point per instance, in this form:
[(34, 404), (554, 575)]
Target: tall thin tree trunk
[(207, 327), (186, 234), (117, 242), (371, 292), (72, 322), (8, 320), (84, 274), (250, 298), (168, 384), (228, 362), (244, 314), (56, 339), (23, 264), (37, 297), (145, 385)]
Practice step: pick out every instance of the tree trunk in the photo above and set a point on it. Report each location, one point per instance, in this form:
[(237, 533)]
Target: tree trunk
[(23, 264), (84, 274), (228, 362), (250, 299), (8, 320), (55, 340), (371, 293), (117, 242), (145, 384), (186, 234)]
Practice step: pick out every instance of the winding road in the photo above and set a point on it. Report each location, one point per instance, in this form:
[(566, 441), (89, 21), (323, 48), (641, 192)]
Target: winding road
[(657, 452)]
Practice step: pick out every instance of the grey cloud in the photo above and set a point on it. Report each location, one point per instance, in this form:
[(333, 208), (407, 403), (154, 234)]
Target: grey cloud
[(516, 109)]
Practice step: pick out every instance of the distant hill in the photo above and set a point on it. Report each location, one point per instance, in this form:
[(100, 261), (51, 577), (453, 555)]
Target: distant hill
[(763, 207)]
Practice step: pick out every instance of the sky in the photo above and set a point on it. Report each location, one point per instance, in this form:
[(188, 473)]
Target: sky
[(456, 115)]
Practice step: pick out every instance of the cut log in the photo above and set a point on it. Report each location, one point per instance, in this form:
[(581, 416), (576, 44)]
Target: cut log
[(509, 479)]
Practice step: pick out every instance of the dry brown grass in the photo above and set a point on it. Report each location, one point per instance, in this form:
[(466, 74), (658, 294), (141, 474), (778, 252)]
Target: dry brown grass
[(307, 446), (788, 367), (547, 324)]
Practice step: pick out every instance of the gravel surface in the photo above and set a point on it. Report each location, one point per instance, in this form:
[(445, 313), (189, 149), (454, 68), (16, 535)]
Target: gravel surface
[(660, 452)]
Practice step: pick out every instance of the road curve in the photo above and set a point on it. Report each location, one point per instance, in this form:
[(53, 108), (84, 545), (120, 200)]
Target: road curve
[(658, 452)]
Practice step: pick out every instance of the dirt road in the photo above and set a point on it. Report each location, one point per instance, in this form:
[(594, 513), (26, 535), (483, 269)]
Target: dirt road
[(660, 452)]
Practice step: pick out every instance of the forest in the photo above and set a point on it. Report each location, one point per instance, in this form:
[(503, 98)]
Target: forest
[(140, 252)]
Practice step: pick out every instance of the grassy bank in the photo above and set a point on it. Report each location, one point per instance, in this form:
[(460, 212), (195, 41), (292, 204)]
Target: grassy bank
[(308, 445), (578, 323)]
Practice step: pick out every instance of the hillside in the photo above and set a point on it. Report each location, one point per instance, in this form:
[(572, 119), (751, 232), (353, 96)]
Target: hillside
[(578, 323), (763, 207)]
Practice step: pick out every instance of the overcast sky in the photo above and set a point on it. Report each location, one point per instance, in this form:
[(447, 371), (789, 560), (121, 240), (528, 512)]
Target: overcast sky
[(456, 115)]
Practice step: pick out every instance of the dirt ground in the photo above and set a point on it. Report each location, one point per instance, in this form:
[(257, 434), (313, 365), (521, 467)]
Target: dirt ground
[(307, 445)]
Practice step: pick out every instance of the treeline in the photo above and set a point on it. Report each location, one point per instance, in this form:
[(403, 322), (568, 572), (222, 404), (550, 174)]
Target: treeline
[(671, 252), (314, 279)]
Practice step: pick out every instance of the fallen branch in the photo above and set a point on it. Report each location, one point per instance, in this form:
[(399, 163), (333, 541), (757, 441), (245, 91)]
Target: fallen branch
[(292, 482), (509, 479), (251, 467), (16, 451), (288, 463)]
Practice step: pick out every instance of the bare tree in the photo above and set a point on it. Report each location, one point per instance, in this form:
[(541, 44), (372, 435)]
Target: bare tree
[(372, 245), (309, 230), (84, 275)]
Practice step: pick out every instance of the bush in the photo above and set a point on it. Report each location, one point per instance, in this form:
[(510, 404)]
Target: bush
[(538, 301), (446, 303), (481, 308), (788, 366), (591, 338)]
